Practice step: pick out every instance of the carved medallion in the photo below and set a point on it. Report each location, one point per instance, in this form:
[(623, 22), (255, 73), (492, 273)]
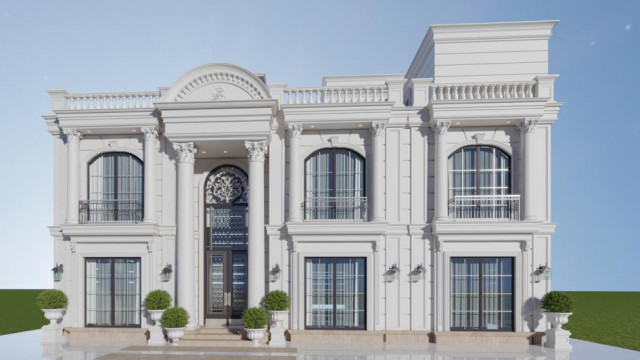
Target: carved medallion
[(227, 185), (218, 94)]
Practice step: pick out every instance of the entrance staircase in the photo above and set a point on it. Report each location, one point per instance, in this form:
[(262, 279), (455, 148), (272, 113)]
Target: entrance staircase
[(218, 337)]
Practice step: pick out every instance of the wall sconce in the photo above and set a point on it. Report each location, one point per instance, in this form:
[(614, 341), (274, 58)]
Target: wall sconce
[(543, 272), (418, 273), (274, 274), (166, 273), (392, 274), (57, 272)]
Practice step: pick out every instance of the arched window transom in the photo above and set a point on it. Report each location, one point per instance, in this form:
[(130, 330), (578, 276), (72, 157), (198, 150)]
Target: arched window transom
[(479, 170), (227, 185)]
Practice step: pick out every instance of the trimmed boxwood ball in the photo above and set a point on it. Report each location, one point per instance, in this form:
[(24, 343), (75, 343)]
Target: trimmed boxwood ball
[(175, 317), (255, 318), (157, 300), (52, 299), (557, 302), (277, 300)]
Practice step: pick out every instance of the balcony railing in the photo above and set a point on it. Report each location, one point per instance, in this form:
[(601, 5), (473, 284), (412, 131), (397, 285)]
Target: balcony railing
[(110, 101), (335, 95), (110, 211), (485, 207), (346, 209), (482, 91)]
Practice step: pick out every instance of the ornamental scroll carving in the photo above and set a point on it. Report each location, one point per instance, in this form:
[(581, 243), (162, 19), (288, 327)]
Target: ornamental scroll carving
[(73, 135), (294, 130), (528, 125), (440, 127), (150, 133), (377, 128), (186, 151), (227, 185), (256, 150)]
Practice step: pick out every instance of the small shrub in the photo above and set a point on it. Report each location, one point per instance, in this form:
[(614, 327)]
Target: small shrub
[(255, 318), (277, 300), (556, 301), (175, 317), (157, 300), (52, 299)]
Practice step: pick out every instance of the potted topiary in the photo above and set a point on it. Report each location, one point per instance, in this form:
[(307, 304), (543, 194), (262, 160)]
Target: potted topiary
[(53, 304), (255, 321), (174, 320), (277, 303), (558, 306), (156, 302)]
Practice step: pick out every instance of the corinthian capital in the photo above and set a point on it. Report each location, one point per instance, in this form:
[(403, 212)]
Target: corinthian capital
[(440, 127), (294, 130), (256, 149), (377, 128), (150, 133), (73, 135), (186, 151), (528, 125)]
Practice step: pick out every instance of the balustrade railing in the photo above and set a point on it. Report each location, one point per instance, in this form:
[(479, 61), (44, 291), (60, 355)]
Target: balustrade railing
[(108, 101), (110, 211), (335, 209), (485, 207), (336, 95), (510, 90)]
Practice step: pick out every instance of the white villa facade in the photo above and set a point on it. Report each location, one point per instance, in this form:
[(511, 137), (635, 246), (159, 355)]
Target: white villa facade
[(414, 202)]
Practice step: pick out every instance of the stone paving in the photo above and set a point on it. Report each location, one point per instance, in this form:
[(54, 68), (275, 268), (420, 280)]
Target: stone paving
[(27, 346)]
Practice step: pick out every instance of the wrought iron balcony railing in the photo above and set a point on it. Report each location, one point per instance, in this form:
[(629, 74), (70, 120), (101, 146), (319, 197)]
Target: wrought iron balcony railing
[(110, 211), (335, 209), (485, 207)]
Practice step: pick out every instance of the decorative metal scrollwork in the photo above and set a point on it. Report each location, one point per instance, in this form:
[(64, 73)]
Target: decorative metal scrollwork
[(227, 185)]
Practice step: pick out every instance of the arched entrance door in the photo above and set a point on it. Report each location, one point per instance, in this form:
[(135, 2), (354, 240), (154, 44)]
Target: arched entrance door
[(226, 199)]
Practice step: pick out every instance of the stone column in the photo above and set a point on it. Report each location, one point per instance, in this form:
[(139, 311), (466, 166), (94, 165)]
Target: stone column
[(441, 181), (376, 200), (185, 258), (73, 149), (294, 132), (150, 135), (527, 128), (256, 151)]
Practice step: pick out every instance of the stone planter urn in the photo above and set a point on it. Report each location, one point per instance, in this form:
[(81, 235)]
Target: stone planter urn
[(276, 328), (156, 336), (256, 335), (557, 337), (174, 334), (52, 333)]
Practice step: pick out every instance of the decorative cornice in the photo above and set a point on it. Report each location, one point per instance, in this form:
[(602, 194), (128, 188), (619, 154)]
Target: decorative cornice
[(73, 135), (294, 130), (256, 149), (186, 151), (440, 127), (150, 133), (377, 128), (221, 77), (528, 125)]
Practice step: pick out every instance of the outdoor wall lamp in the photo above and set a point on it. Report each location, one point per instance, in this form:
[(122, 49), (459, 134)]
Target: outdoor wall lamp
[(543, 272), (392, 274), (418, 273), (166, 273), (57, 272), (274, 274)]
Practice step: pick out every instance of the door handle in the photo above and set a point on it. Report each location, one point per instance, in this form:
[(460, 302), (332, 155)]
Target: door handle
[(227, 298)]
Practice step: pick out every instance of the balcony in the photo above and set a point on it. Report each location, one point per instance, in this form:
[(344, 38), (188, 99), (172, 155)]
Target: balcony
[(484, 208), (110, 211), (331, 209)]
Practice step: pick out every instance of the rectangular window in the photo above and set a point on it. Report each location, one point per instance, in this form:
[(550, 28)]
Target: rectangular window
[(482, 294), (112, 292), (335, 293)]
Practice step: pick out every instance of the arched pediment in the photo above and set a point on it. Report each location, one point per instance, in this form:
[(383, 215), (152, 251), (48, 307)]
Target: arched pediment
[(217, 82)]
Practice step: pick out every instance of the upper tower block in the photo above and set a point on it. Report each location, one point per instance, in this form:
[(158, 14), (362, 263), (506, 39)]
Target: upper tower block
[(488, 52)]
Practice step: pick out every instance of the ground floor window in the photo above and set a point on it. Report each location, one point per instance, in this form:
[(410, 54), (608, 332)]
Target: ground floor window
[(112, 292), (482, 293), (335, 293)]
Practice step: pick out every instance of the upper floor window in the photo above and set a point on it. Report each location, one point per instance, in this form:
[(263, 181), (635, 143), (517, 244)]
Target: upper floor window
[(335, 185), (115, 189), (479, 170)]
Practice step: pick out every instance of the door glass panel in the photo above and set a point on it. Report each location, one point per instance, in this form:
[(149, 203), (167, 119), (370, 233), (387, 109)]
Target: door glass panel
[(319, 293), (496, 298), (98, 300), (238, 283), (350, 295), (216, 283), (229, 226), (127, 292), (465, 296)]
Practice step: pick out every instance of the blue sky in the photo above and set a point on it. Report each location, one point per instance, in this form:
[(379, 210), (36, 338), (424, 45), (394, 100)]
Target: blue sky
[(91, 46)]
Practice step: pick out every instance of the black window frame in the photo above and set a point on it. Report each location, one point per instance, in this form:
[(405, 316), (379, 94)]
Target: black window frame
[(477, 169)]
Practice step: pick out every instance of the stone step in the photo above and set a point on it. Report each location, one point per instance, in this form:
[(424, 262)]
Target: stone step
[(215, 343), (222, 331), (201, 336)]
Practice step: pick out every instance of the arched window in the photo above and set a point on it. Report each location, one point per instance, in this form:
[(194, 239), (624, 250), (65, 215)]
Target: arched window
[(115, 189), (335, 185), (479, 170)]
